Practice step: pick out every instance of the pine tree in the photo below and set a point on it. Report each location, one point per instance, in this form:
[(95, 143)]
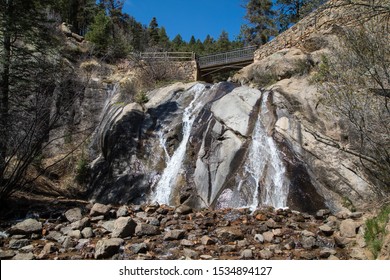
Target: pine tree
[(164, 42), (261, 22), (153, 32), (178, 43), (223, 42), (100, 33), (199, 48), (291, 11), (78, 13), (209, 44)]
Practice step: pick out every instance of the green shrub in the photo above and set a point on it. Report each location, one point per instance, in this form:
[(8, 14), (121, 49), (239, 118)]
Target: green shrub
[(376, 230), (302, 66), (323, 71), (265, 79), (81, 170), (141, 98)]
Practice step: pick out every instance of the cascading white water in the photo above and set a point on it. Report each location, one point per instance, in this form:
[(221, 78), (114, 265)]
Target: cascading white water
[(164, 187), (264, 168), (162, 142)]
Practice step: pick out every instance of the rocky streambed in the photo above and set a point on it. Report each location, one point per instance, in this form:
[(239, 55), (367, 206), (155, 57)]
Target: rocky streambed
[(153, 231)]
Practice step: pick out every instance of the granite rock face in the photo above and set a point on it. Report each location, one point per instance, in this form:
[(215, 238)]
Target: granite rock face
[(211, 139)]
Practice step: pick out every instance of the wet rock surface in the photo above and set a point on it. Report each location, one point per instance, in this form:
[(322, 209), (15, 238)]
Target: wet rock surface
[(162, 232)]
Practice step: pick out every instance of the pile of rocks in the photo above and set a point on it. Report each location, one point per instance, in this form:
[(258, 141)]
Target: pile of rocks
[(160, 232)]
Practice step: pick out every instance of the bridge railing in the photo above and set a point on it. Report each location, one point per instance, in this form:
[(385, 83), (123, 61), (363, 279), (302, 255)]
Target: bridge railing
[(175, 56), (238, 55)]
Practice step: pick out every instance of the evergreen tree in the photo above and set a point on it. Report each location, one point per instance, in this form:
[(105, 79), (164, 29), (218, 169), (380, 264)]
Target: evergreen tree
[(138, 38), (99, 33), (261, 22), (78, 13), (177, 43), (192, 41), (291, 11), (164, 42), (223, 42), (199, 48), (153, 32), (209, 44)]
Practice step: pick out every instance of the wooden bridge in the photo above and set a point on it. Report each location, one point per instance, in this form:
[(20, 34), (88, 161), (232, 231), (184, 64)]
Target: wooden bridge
[(207, 64)]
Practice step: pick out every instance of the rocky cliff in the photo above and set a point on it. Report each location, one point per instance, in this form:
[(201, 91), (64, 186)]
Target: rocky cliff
[(265, 139)]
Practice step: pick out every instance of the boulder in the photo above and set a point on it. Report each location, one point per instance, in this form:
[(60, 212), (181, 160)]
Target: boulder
[(28, 226), (246, 254), (73, 215), (139, 248), (174, 235), (47, 250), (183, 209), (79, 224), (106, 248), (270, 223), (122, 211), (146, 230), (24, 256), (327, 252), (259, 238), (100, 209), (68, 242), (82, 243), (322, 214), (124, 227), (190, 254), (229, 234), (268, 236), (308, 242), (266, 254), (6, 255), (87, 232), (108, 225), (307, 233), (327, 230), (187, 243), (348, 228), (18, 243), (280, 65), (76, 234), (27, 249), (206, 257), (206, 240)]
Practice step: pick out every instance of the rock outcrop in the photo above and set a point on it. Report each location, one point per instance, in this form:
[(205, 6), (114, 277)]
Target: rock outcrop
[(318, 146), (192, 143)]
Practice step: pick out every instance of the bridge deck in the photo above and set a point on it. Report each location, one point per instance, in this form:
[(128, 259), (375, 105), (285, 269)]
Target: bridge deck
[(226, 58), (206, 64)]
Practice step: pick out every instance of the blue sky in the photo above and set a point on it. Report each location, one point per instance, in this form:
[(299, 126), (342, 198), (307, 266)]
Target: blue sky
[(190, 17)]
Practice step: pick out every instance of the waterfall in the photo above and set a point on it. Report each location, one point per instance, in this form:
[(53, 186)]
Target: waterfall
[(162, 141), (264, 172), (165, 185)]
